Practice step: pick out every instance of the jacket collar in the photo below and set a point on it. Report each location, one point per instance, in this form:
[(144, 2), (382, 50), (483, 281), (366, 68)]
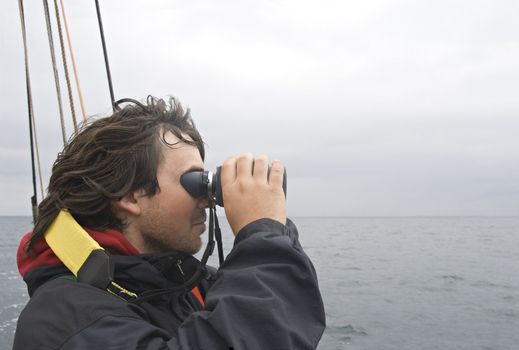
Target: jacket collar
[(138, 273), (113, 241)]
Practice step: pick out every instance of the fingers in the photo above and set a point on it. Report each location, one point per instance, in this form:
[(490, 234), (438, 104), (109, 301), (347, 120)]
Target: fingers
[(261, 168), (276, 174), (244, 166), (250, 193), (228, 174)]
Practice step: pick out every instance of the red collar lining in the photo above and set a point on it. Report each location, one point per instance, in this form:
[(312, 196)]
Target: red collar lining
[(111, 240)]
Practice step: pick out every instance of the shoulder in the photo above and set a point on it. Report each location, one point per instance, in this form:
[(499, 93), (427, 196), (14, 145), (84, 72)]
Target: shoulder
[(64, 295), (61, 308)]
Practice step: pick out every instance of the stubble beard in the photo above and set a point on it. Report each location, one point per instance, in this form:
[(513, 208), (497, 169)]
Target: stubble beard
[(161, 244), (159, 237)]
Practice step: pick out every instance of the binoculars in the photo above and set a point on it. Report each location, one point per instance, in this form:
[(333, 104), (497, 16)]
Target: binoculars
[(201, 184)]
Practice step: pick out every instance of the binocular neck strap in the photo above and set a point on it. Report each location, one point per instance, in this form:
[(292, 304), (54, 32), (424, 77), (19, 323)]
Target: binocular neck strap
[(214, 232)]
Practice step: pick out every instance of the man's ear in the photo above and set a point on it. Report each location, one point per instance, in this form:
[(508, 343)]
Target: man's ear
[(129, 204)]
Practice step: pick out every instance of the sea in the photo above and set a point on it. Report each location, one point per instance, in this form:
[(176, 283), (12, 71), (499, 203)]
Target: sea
[(406, 283)]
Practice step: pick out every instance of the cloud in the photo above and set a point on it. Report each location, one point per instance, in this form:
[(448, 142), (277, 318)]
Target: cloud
[(376, 107)]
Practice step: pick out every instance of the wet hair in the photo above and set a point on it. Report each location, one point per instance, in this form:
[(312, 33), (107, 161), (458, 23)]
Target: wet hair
[(110, 158)]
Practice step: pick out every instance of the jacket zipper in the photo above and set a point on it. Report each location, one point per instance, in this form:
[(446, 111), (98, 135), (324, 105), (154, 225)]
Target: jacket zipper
[(179, 262)]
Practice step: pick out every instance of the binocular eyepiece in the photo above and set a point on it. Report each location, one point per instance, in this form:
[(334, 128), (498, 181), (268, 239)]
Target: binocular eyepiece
[(200, 184)]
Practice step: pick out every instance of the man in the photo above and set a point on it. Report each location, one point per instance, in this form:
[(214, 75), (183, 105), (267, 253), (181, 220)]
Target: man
[(119, 178)]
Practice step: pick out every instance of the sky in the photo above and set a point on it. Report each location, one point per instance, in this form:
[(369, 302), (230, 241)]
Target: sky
[(376, 108)]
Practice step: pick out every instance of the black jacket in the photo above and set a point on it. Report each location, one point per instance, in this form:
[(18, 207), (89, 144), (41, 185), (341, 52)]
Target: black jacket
[(264, 296)]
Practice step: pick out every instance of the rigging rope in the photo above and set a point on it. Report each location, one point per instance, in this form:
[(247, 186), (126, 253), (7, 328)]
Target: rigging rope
[(105, 54), (65, 67), (56, 76), (32, 129), (37, 147), (74, 66)]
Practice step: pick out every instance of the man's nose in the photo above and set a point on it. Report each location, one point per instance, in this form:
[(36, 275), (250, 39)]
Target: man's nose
[(203, 203)]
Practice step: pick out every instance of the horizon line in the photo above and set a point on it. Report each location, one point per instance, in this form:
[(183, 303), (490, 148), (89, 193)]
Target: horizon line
[(359, 216)]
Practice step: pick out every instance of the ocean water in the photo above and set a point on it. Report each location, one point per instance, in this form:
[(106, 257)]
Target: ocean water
[(387, 283)]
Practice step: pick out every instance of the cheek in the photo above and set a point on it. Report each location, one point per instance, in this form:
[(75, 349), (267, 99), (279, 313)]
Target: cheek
[(183, 205), (176, 201)]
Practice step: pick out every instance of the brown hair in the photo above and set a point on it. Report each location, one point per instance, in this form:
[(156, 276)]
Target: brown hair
[(110, 158)]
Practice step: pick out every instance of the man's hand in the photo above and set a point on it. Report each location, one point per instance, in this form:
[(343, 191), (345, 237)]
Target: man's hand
[(249, 194)]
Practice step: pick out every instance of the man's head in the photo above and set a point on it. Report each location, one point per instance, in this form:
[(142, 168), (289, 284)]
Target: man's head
[(114, 174)]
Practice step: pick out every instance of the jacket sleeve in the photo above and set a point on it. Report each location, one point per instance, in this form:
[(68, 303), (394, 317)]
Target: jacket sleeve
[(264, 296)]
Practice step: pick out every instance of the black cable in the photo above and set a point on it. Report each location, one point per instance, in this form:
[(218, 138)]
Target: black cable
[(210, 240), (112, 99), (34, 198), (218, 236)]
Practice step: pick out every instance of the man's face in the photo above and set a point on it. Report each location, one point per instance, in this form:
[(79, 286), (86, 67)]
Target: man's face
[(172, 219)]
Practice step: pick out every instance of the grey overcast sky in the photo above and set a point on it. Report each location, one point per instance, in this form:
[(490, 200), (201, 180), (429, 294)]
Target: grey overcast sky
[(402, 107)]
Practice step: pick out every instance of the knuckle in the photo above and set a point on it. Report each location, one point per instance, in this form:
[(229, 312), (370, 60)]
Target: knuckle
[(244, 185)]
